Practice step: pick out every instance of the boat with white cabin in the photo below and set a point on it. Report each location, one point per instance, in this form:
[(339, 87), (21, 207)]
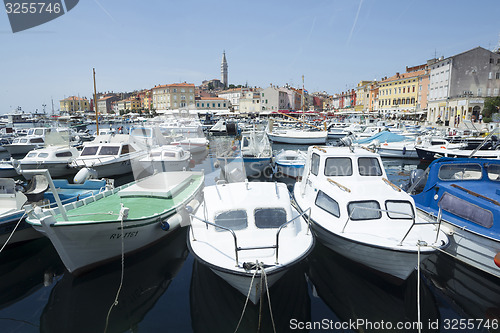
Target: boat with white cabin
[(357, 212), (249, 234)]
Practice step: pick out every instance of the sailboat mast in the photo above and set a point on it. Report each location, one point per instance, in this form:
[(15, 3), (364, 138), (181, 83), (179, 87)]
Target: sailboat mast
[(95, 105)]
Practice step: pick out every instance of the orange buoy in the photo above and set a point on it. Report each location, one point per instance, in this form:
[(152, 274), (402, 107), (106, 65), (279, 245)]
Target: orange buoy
[(443, 147), (497, 259)]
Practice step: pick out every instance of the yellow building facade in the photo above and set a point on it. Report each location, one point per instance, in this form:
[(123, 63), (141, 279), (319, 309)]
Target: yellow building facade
[(74, 103), (399, 93)]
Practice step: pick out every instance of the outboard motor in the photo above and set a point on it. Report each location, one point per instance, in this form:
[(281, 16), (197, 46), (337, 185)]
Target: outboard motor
[(84, 174), (417, 181)]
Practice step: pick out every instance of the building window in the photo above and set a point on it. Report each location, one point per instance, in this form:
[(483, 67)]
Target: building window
[(497, 76), (490, 75)]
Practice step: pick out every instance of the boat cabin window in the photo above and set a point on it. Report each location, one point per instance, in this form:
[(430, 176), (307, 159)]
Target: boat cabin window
[(466, 210), (32, 154), (399, 209), (493, 172), (39, 131), (109, 150), (43, 155), (466, 171), (30, 132), (64, 154), (168, 154), (364, 210), (87, 151), (338, 166), (233, 219), (315, 164), (328, 204), (36, 140), (155, 154), (127, 149), (369, 166), (269, 217)]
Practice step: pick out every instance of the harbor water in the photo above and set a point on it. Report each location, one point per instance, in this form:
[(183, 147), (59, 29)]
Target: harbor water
[(163, 289)]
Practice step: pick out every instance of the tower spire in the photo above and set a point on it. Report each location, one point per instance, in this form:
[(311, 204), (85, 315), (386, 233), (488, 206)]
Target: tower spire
[(223, 70)]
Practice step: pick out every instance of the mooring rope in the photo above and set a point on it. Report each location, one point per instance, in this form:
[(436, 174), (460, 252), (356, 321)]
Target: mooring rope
[(248, 297), (12, 233), (269, 300), (418, 289), (123, 215)]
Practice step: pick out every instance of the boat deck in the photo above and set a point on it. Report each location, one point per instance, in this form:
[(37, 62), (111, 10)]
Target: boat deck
[(140, 205)]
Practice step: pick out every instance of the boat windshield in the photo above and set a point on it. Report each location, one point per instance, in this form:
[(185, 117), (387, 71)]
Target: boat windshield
[(338, 166), (141, 132), (328, 204), (168, 154), (88, 151), (493, 172), (364, 210), (399, 209), (369, 166), (465, 171), (269, 217), (466, 210), (109, 150), (233, 219)]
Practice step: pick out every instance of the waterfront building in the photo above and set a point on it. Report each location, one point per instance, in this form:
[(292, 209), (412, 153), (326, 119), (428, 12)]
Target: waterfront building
[(73, 104), (173, 96), (104, 103), (373, 93), (362, 96), (212, 104), (398, 94), (459, 84), (274, 99), (251, 102)]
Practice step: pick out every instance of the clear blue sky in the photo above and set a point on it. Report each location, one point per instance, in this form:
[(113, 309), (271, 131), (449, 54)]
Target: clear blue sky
[(137, 44)]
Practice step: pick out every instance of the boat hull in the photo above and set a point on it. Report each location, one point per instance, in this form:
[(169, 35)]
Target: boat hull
[(290, 170), (469, 247), (55, 169), (396, 264), (397, 153), (299, 139)]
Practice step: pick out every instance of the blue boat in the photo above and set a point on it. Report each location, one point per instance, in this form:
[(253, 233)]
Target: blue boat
[(464, 193)]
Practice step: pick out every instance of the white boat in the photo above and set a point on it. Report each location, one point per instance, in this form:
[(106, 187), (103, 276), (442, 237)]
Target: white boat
[(109, 155), (12, 215), (165, 158), (290, 162), (246, 232), (357, 212), (193, 145), (7, 170), (116, 222), (56, 159), (38, 137), (294, 136)]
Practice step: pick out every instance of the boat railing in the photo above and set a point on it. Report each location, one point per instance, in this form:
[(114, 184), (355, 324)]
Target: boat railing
[(412, 216), (237, 248)]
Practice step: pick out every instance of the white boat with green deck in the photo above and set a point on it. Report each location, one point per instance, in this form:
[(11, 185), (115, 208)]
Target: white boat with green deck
[(91, 231)]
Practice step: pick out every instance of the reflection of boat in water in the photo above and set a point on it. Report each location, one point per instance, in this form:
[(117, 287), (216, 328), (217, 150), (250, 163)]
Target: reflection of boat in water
[(22, 270), (354, 294), (82, 304), (474, 293), (217, 307)]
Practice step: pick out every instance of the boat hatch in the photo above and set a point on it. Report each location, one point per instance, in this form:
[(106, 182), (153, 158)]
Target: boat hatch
[(233, 219), (269, 217), (466, 210)]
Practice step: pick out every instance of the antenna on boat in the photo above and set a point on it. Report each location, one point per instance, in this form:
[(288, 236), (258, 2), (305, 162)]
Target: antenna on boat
[(95, 105)]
